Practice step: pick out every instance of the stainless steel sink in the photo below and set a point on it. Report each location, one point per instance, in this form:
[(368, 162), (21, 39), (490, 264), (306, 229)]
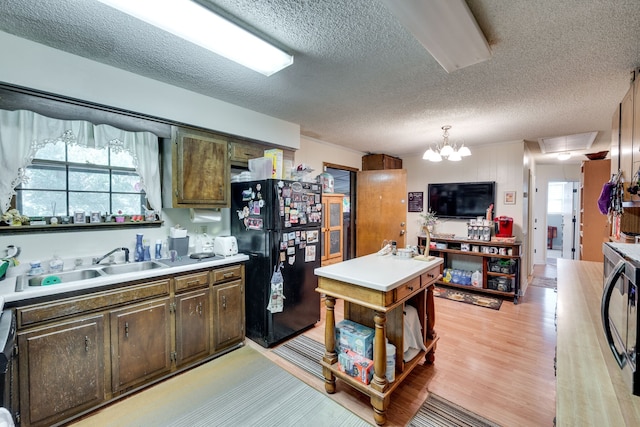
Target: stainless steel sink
[(24, 281), (51, 278), (132, 267)]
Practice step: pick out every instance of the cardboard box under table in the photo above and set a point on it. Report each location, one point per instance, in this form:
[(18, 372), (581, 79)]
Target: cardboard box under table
[(355, 337)]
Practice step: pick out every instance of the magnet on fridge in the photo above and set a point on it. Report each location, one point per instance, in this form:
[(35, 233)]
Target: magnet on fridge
[(258, 187), (292, 260)]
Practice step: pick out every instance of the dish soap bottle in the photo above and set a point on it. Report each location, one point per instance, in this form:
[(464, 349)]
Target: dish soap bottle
[(56, 265), (139, 252)]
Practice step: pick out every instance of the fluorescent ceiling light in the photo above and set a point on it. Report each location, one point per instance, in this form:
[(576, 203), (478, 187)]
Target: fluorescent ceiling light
[(199, 25), (446, 28), (564, 156)]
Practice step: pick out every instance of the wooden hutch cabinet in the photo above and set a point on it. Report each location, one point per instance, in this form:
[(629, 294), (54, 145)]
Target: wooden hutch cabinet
[(594, 226), (331, 230)]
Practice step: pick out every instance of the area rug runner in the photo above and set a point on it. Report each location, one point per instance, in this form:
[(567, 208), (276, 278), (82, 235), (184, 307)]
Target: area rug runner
[(241, 388), (545, 282), (437, 411), (467, 297), (306, 353)]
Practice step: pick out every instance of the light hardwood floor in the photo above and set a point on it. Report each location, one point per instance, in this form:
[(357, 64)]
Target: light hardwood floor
[(498, 364)]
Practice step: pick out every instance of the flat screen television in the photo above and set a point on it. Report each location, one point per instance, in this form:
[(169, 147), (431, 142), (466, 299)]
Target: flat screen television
[(462, 200)]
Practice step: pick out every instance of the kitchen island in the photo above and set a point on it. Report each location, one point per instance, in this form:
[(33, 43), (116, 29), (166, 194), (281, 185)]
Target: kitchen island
[(375, 290)]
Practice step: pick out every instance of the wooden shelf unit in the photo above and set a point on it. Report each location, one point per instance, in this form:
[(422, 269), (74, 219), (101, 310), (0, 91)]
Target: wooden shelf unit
[(454, 250)]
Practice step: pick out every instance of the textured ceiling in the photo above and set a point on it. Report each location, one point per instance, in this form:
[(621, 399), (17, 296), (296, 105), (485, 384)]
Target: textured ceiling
[(360, 80)]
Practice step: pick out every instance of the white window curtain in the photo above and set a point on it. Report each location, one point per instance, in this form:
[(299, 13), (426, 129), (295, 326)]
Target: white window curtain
[(23, 133)]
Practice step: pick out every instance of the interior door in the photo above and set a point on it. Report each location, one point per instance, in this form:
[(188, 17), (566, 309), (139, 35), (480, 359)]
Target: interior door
[(381, 209)]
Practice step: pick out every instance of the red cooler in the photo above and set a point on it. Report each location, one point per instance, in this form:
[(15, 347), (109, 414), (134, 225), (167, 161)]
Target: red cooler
[(504, 226)]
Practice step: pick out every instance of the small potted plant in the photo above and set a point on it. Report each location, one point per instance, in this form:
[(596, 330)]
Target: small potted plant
[(13, 217), (428, 221)]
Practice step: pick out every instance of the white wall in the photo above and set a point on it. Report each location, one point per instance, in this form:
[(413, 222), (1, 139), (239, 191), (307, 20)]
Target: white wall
[(502, 163), (545, 174), (36, 66), (314, 152)]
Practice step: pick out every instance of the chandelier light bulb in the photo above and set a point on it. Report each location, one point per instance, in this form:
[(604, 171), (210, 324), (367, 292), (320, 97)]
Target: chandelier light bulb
[(454, 157), (446, 151), (464, 151)]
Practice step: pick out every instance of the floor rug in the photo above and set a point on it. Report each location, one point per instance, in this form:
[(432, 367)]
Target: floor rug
[(306, 353), (437, 411), (241, 388), (545, 282), (467, 297)]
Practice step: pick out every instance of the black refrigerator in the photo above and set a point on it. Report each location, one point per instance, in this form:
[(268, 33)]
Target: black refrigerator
[(277, 224)]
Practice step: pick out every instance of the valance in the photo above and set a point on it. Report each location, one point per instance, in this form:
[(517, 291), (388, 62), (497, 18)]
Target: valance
[(23, 133)]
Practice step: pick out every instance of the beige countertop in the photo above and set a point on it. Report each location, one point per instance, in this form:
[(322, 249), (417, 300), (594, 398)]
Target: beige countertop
[(590, 390)]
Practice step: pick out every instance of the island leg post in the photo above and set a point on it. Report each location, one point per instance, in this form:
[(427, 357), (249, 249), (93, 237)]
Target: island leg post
[(379, 381), (330, 355)]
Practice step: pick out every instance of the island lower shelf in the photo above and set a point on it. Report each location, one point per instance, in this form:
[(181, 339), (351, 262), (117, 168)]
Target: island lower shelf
[(399, 375)]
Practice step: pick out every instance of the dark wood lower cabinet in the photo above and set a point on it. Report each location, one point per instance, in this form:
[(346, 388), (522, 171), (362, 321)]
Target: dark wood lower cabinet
[(61, 370), (193, 316), (140, 343), (228, 317), (79, 353)]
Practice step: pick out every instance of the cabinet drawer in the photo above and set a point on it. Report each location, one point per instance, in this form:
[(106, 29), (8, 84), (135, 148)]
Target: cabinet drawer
[(243, 151), (226, 274), (73, 306), (430, 276), (407, 288), (191, 281)]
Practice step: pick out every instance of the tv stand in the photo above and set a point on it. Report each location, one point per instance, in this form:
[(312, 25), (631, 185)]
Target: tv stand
[(454, 250)]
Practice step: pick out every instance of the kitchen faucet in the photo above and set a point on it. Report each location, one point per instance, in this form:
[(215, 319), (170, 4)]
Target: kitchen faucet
[(126, 255)]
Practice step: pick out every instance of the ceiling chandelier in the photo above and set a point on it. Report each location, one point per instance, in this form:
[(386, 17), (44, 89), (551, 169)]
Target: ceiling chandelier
[(445, 150)]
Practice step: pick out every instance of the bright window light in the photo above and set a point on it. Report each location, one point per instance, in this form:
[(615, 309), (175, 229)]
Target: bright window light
[(199, 25)]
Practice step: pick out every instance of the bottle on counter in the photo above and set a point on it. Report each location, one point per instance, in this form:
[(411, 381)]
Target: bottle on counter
[(147, 251), (56, 265), (158, 249), (138, 254)]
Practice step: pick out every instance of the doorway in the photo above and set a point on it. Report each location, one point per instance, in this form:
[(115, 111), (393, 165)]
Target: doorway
[(344, 179), (562, 221)]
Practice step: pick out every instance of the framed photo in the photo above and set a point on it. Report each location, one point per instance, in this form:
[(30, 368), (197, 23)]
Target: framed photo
[(509, 197), (79, 218), (95, 217)]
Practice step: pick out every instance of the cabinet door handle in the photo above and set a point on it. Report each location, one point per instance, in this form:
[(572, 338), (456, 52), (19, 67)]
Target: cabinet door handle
[(200, 308), (126, 329), (224, 302), (410, 288), (86, 343), (193, 282), (227, 275)]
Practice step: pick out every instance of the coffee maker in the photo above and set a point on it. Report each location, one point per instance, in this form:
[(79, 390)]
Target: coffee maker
[(504, 226)]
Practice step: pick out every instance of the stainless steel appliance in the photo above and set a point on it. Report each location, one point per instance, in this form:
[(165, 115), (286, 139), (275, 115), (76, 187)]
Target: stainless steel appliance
[(619, 307), (277, 223)]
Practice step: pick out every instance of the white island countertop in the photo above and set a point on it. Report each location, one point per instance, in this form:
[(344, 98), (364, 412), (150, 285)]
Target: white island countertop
[(378, 272)]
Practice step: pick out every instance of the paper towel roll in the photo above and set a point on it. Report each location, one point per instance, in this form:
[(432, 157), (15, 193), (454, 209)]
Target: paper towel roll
[(205, 215)]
